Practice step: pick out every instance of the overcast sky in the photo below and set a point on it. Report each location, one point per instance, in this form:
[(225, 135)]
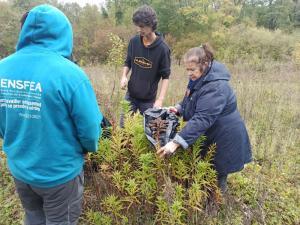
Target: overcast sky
[(80, 2), (83, 2)]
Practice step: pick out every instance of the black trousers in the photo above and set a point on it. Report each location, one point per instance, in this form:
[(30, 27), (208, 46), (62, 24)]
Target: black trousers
[(222, 183), (136, 105)]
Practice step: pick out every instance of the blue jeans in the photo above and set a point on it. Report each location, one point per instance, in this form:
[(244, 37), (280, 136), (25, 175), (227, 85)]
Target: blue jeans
[(60, 205)]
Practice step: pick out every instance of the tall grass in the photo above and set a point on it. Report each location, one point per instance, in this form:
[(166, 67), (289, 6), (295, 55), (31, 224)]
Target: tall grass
[(267, 191)]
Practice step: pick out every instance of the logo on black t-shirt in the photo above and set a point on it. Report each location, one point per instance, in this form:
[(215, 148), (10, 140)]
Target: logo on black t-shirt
[(142, 62)]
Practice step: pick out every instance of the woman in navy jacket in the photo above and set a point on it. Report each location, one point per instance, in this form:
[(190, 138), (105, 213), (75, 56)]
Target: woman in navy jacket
[(210, 109)]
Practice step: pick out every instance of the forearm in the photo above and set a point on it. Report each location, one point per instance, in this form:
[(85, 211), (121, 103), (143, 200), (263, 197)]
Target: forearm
[(192, 130), (125, 71), (163, 89)]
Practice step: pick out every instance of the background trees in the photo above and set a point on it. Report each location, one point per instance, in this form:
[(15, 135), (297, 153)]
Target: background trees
[(185, 23)]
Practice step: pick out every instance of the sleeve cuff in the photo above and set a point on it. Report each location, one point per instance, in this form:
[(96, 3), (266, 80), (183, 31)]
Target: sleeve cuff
[(180, 141), (179, 109), (127, 65), (165, 74)]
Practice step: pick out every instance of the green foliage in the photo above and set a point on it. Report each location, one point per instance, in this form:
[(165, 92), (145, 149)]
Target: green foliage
[(186, 23), (117, 52), (253, 45), (265, 192), (191, 40), (113, 206), (9, 27), (142, 186), (98, 218), (268, 101), (241, 43), (26, 5), (170, 21), (116, 57), (270, 197), (131, 178), (10, 210), (273, 14)]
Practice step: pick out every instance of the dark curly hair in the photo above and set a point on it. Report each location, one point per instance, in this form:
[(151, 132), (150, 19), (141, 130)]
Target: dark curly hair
[(145, 16)]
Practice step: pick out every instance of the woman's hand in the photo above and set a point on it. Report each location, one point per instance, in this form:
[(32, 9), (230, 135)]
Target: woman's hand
[(168, 149), (173, 109)]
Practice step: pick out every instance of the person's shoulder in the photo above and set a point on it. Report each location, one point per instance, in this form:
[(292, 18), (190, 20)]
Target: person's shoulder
[(219, 87), (219, 65), (7, 59), (212, 84), (165, 46), (135, 38)]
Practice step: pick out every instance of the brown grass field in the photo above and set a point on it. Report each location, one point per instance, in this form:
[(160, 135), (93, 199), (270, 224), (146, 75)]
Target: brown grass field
[(267, 191)]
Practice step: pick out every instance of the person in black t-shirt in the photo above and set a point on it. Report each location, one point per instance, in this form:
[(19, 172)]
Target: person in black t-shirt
[(148, 58)]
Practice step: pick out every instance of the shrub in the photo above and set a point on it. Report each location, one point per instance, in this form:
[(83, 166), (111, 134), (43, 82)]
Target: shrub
[(135, 186), (255, 45)]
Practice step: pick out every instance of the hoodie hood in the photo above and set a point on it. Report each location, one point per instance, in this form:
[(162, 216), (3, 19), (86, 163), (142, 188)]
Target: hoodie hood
[(218, 71), (47, 27), (159, 39)]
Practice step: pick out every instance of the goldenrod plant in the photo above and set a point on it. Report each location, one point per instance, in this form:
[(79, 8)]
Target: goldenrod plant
[(142, 188), (116, 56)]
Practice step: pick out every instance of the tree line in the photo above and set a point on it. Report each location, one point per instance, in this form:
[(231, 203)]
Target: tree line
[(236, 28)]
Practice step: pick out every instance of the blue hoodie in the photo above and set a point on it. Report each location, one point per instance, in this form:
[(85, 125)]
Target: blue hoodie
[(49, 115)]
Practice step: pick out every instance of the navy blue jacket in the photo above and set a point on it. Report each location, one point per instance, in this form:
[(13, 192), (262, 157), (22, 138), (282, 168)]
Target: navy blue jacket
[(210, 109)]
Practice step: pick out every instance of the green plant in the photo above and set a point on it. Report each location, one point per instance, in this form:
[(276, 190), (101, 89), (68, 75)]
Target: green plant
[(146, 188)]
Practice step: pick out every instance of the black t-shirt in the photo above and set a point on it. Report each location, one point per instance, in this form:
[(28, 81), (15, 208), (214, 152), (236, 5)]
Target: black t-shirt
[(148, 65)]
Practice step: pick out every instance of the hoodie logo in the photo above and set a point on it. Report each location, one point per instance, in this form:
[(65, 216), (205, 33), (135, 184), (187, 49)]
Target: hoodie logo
[(21, 85), (142, 62)]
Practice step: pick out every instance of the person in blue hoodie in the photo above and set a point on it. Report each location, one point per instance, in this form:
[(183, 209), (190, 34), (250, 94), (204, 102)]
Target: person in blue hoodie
[(49, 118), (210, 109)]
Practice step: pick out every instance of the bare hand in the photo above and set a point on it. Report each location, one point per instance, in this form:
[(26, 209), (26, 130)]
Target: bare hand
[(158, 103), (124, 82), (167, 150), (173, 109)]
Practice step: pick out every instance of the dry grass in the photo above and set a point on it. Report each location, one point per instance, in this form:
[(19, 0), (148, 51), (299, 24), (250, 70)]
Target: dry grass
[(269, 102), (268, 190)]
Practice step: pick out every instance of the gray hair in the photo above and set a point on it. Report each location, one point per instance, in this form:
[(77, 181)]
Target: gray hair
[(199, 55)]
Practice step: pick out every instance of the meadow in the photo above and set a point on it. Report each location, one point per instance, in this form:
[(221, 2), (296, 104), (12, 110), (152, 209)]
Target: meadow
[(267, 191), (259, 40)]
